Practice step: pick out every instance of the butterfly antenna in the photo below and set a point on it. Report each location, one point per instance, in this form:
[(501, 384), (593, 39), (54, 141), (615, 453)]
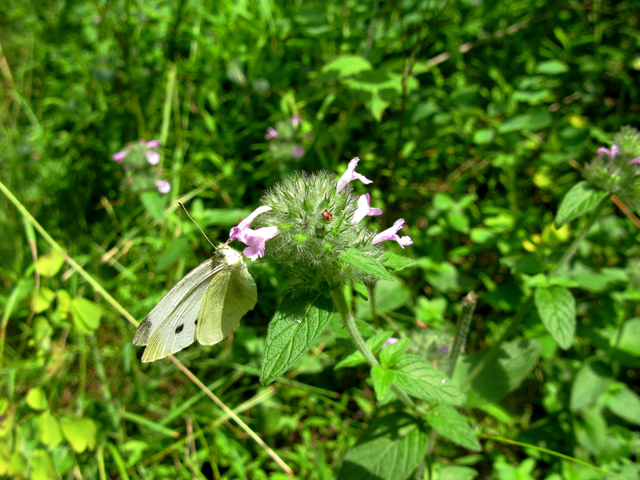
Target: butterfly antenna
[(205, 235)]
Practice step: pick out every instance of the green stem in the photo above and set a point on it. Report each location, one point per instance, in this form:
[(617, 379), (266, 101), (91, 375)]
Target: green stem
[(524, 306), (337, 295)]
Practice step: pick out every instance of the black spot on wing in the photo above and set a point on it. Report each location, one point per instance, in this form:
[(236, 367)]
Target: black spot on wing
[(179, 328), (141, 337)]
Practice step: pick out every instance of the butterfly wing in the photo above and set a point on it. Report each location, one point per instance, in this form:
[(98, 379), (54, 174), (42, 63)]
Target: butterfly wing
[(232, 293), (171, 325)]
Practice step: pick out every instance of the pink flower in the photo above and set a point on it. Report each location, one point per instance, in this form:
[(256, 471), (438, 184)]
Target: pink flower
[(163, 186), (351, 175), (391, 341), (364, 209), (611, 153), (153, 143), (152, 157), (635, 160), (295, 120), (271, 133), (297, 151), (255, 239), (118, 157), (392, 234)]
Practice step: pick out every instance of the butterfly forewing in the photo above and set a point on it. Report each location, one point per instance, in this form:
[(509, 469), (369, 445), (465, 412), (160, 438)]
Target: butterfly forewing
[(232, 293), (171, 325)]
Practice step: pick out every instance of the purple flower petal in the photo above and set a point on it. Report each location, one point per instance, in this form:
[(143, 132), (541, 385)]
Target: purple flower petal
[(610, 153), (152, 157), (238, 232), (118, 157), (163, 186), (635, 160), (271, 133), (351, 175), (391, 341), (297, 152), (153, 143), (364, 209), (256, 239), (392, 234)]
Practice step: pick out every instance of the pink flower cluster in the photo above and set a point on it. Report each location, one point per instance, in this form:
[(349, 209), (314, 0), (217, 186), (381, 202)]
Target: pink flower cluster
[(255, 239), (152, 156)]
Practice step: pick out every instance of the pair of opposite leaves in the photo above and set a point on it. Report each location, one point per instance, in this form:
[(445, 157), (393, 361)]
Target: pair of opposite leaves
[(206, 304)]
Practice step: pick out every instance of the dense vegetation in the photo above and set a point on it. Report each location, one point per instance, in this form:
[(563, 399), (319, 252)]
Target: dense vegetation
[(473, 119)]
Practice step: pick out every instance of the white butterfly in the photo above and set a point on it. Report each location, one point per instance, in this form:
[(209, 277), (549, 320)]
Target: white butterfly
[(206, 304)]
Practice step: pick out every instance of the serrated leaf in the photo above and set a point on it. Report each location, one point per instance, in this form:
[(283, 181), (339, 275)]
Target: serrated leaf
[(624, 403), (80, 433), (581, 199), (37, 399), (450, 424), (419, 378), (499, 376), (391, 448), (50, 263), (296, 325), (397, 262), (592, 379), (382, 380), (49, 428), (352, 360), (391, 354), (376, 342), (86, 315), (364, 263), (557, 309)]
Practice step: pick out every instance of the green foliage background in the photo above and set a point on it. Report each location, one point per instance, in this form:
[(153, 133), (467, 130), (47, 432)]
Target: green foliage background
[(473, 118)]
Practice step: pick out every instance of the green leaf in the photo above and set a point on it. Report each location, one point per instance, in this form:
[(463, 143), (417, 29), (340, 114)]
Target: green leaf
[(630, 337), (295, 326), (42, 466), (173, 252), (36, 399), (592, 379), (419, 378), (557, 309), (364, 263), (376, 342), (450, 424), (483, 136), (352, 360), (396, 263), (86, 315), (391, 448), (534, 120), (624, 403), (382, 380), (346, 66), (50, 263), (501, 375), (581, 199), (49, 427), (153, 204), (453, 472), (391, 354), (552, 67), (80, 432), (361, 288)]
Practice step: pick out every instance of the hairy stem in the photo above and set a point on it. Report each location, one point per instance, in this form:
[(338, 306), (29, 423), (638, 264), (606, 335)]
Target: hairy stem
[(337, 295), (464, 320)]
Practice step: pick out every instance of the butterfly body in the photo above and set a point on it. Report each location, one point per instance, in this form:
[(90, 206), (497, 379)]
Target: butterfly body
[(207, 305)]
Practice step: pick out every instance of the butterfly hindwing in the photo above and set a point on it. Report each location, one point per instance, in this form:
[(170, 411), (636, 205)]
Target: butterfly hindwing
[(230, 296)]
